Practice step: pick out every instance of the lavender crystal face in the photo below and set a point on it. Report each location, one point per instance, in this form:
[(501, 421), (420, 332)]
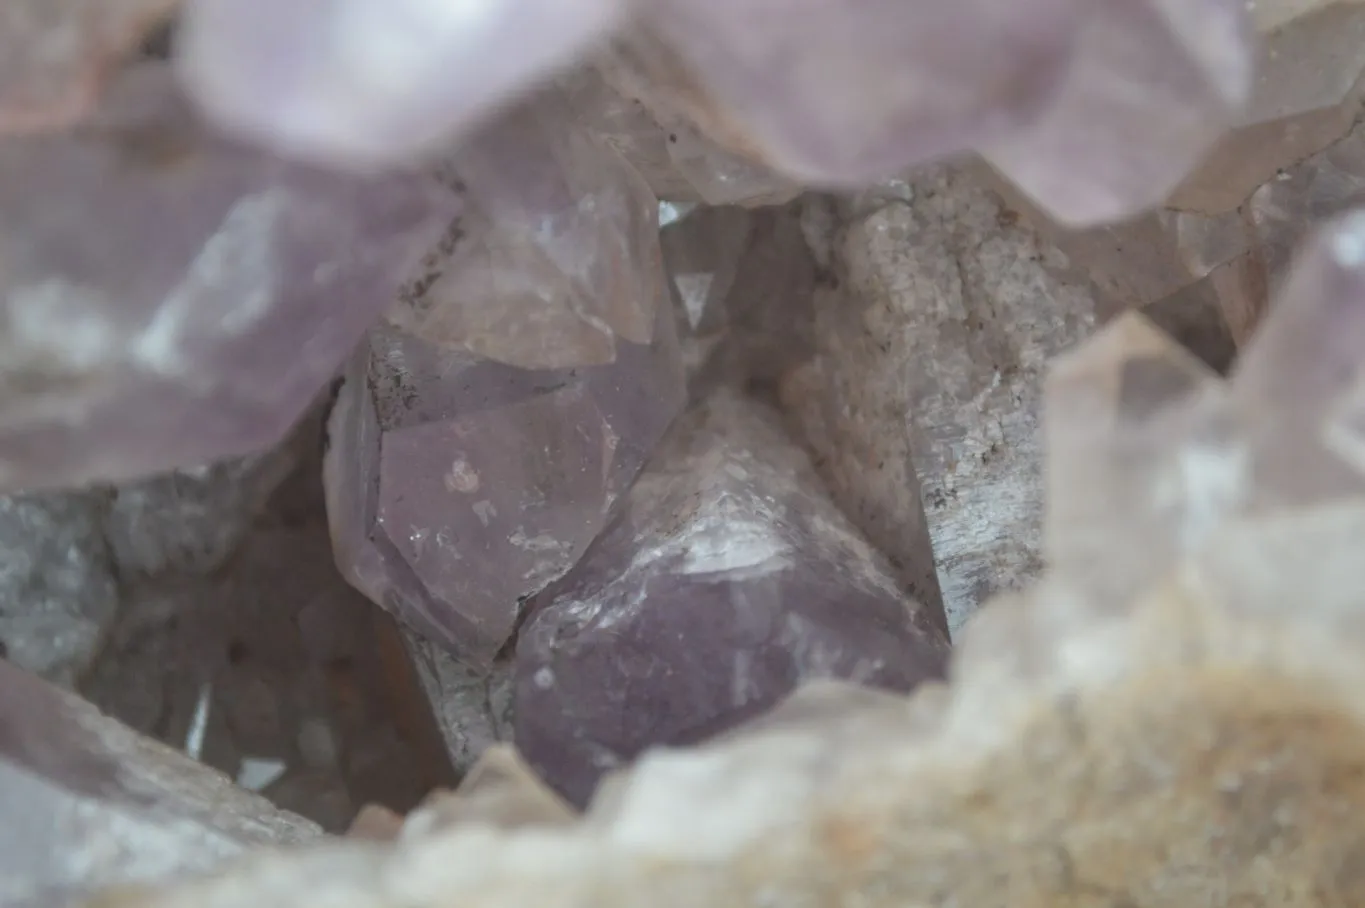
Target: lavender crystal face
[(365, 83), (484, 435), (458, 487), (622, 98), (728, 580), (556, 256), (169, 299), (847, 93), (87, 803), (1153, 85)]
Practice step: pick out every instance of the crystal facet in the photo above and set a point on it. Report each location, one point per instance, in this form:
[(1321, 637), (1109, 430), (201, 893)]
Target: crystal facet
[(359, 83), (743, 285), (1184, 267), (1154, 83), (833, 92), (1143, 459), (728, 580), (635, 104), (1307, 95), (459, 487), (554, 259), (170, 299), (89, 803)]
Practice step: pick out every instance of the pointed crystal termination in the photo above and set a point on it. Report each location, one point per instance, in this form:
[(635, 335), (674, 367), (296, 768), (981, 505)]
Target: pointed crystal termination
[(636, 97), (90, 803), (371, 83), (729, 580), (555, 259), (1143, 459), (846, 94), (1307, 95), (57, 53), (1300, 386), (457, 486), (1153, 85), (171, 299)]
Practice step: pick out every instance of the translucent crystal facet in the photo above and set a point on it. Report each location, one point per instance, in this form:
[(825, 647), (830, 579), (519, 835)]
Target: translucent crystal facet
[(360, 83), (1153, 454), (1153, 85), (171, 299), (1144, 459), (743, 285), (1306, 96), (1300, 384), (833, 92), (100, 805), (629, 95), (728, 581), (1185, 267), (555, 258), (459, 487)]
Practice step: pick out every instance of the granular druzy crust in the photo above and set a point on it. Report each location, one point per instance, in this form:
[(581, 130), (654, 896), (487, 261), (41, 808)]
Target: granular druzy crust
[(729, 580), (169, 299), (458, 487)]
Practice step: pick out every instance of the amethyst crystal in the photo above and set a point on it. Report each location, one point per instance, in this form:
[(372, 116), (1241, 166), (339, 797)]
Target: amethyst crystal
[(1153, 85), (832, 91), (365, 83), (88, 803), (459, 487), (728, 580), (490, 424), (556, 256), (621, 98), (170, 299)]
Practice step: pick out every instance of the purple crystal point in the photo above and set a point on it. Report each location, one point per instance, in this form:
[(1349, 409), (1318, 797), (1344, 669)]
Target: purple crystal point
[(728, 580), (170, 299), (459, 487), (484, 434)]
